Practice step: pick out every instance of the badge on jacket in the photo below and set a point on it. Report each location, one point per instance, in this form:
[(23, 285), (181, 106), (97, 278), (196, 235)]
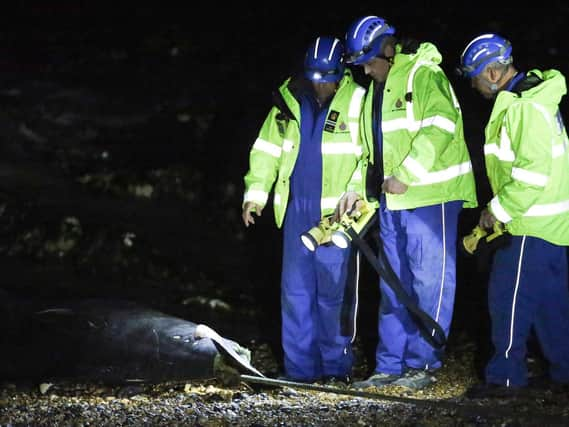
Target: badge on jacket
[(331, 121)]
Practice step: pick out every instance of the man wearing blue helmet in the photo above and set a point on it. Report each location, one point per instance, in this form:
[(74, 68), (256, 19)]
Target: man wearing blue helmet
[(528, 170), (420, 174), (308, 149)]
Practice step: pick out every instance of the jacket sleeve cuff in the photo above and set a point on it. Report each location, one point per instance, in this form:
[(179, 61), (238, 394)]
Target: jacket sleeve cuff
[(498, 210)]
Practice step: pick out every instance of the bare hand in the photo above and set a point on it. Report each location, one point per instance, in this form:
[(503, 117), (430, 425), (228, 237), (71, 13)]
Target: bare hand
[(349, 201), (248, 209), (393, 186), (487, 220)]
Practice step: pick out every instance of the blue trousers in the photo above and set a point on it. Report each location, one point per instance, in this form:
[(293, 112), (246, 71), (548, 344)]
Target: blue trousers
[(420, 245), (312, 294), (528, 289)]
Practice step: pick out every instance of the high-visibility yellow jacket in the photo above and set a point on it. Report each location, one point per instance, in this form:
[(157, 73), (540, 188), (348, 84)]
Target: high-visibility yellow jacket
[(527, 160), (274, 153), (423, 135)]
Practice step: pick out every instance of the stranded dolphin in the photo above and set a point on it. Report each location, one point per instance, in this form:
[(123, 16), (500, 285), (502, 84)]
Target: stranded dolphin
[(112, 342)]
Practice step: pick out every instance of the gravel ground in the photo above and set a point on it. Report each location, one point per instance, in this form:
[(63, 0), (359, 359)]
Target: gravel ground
[(218, 403)]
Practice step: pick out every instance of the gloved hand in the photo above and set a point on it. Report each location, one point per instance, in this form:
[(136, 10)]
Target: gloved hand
[(247, 214)]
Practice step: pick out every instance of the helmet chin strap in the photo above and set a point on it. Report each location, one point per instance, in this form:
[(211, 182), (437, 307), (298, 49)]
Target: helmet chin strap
[(493, 89)]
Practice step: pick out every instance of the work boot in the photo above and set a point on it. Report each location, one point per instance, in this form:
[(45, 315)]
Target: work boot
[(337, 380), (379, 379), (415, 379)]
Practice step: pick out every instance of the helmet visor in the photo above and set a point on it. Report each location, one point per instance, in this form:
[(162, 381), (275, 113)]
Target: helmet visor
[(352, 57), (474, 68), (372, 50)]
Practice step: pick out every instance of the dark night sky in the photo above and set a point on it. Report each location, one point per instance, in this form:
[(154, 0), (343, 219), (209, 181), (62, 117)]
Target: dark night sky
[(268, 40), (234, 55), (241, 52), (272, 36)]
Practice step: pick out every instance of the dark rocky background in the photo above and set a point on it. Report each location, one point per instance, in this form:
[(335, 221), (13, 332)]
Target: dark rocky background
[(124, 138)]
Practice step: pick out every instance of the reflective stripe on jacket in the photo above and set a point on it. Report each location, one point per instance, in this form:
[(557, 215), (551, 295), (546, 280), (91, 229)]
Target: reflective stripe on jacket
[(527, 160), (273, 155), (423, 135)]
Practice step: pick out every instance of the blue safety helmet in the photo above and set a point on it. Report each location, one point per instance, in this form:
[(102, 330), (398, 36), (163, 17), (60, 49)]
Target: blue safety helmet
[(483, 50), (324, 60), (365, 37)]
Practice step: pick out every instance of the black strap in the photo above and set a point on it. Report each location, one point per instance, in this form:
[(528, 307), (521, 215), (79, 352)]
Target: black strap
[(350, 295), (428, 327)]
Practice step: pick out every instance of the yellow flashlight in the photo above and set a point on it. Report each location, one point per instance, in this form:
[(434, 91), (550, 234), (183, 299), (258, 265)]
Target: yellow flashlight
[(318, 235), (355, 220)]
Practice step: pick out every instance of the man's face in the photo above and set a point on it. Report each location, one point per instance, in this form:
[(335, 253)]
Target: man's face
[(377, 69), (324, 91), (481, 84)]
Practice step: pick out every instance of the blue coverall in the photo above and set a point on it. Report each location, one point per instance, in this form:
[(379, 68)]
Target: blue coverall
[(312, 283)]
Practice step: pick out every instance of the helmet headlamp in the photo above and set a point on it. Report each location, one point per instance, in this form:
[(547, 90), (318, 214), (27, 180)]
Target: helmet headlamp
[(324, 60)]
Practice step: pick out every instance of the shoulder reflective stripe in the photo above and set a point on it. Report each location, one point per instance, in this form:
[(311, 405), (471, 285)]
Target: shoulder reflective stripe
[(329, 202), (356, 103), (340, 148), (454, 98), (445, 174), (287, 145), (548, 209), (529, 177), (558, 150), (256, 196), (354, 112), (504, 155), (357, 175), (354, 132), (546, 116), (267, 147), (411, 77), (277, 199), (409, 102), (412, 126), (498, 211), (505, 141)]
